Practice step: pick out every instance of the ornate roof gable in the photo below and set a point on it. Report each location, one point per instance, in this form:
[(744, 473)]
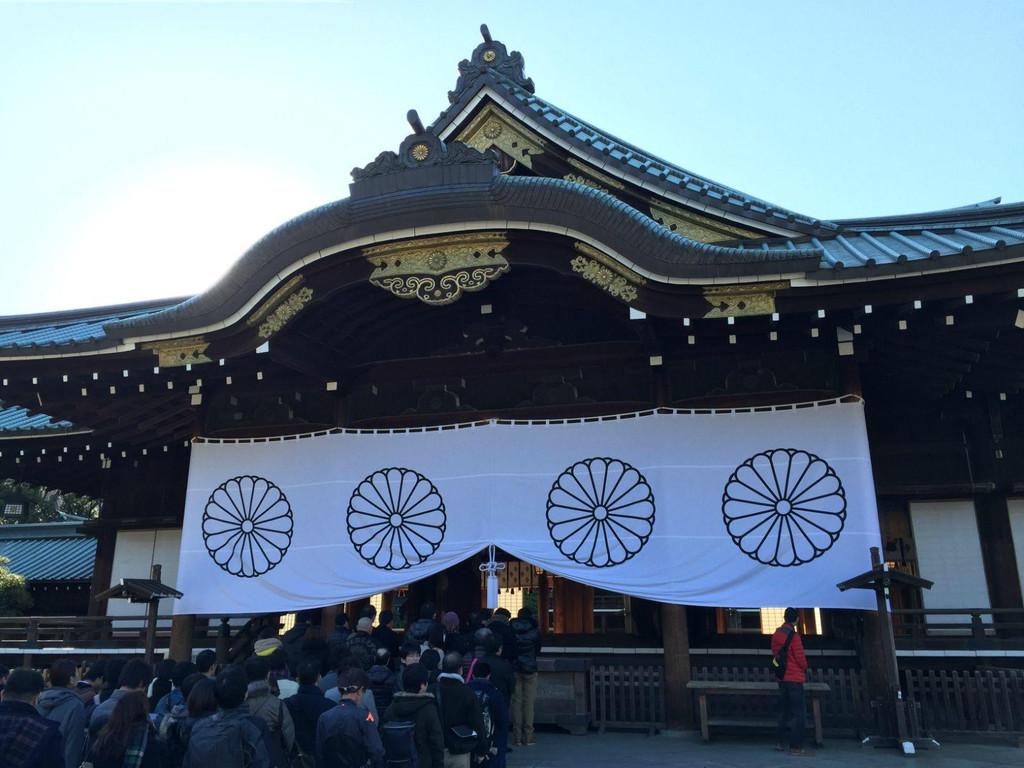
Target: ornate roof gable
[(490, 56)]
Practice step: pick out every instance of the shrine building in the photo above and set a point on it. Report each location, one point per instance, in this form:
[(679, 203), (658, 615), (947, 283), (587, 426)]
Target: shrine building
[(512, 263)]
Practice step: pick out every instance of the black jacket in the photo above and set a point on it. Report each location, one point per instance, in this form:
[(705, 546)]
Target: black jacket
[(459, 706), (502, 630), (347, 737), (386, 637), (502, 675), (306, 706), (382, 683), (421, 708), (527, 636)]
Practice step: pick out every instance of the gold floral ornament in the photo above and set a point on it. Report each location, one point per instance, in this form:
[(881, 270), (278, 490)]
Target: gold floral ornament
[(604, 278), (438, 270), (490, 56), (284, 312), (420, 152)]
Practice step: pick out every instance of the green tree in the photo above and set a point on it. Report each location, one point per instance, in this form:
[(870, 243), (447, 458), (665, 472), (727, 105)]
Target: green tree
[(15, 599), (43, 505)]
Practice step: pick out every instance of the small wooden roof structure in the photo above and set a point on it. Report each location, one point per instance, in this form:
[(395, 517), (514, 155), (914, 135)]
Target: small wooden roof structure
[(880, 577), (139, 591)]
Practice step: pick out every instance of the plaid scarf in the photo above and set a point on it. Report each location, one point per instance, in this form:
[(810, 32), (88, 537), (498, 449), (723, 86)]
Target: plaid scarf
[(136, 748)]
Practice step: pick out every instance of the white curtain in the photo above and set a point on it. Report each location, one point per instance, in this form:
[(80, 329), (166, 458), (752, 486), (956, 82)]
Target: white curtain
[(718, 509)]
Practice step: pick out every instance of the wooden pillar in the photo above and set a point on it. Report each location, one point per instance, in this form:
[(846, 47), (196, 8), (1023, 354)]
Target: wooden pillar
[(998, 553), (182, 631), (327, 616), (387, 601), (676, 642), (542, 603), (223, 641), (574, 607), (103, 566), (152, 610)]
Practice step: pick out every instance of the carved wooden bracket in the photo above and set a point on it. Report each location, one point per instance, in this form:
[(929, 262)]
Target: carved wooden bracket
[(742, 299), (438, 270)]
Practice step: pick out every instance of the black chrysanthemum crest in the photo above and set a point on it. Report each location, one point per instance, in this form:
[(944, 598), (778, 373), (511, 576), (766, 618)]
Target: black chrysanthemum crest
[(600, 512), (784, 507), (396, 519), (247, 525)]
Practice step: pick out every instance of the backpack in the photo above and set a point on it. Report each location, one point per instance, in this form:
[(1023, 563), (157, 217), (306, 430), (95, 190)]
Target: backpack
[(219, 742), (484, 698), (778, 662), (399, 739)]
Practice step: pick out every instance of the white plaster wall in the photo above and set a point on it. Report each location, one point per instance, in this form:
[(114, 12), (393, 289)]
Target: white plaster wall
[(135, 552), (949, 553), (1016, 507)]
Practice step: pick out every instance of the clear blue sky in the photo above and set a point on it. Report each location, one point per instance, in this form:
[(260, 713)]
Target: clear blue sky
[(145, 147)]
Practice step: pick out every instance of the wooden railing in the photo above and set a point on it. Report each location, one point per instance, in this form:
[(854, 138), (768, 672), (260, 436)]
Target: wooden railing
[(975, 627), (84, 632), (627, 697), (983, 700)]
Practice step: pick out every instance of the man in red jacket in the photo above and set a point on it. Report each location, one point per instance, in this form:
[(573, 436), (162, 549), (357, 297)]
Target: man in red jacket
[(791, 688)]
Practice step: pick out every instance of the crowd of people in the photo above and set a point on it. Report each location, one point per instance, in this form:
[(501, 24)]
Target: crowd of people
[(443, 695)]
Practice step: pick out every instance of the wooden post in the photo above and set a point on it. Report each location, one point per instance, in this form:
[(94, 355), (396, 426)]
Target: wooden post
[(183, 627), (154, 609), (542, 603), (676, 642), (223, 641), (106, 541), (327, 615), (891, 665)]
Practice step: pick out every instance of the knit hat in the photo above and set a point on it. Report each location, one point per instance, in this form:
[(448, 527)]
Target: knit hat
[(267, 646), (365, 624), (451, 621)]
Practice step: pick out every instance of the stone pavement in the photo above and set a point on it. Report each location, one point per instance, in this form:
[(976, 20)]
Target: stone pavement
[(627, 750)]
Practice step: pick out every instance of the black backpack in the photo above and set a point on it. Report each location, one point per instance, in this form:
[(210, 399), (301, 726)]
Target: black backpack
[(778, 662), (399, 739), (485, 710)]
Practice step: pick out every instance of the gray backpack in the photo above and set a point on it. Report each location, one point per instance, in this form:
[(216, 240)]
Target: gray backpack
[(220, 742)]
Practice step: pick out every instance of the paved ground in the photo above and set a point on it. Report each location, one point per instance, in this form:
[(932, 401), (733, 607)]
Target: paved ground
[(624, 750)]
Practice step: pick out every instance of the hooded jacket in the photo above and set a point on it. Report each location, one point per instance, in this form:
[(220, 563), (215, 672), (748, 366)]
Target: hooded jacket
[(527, 644), (382, 683), (64, 706), (422, 710)]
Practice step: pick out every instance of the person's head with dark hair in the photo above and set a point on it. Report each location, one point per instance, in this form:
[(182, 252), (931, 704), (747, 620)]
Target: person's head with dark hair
[(452, 663), (206, 662), (791, 615), (368, 611), (430, 659), (96, 671), (482, 670), (382, 658), (256, 669), (182, 670), (230, 687), (135, 676), (427, 611), (23, 685), (503, 614), (162, 684), (130, 713), (386, 618), (189, 682), (164, 669), (62, 673), (201, 697), (352, 683), (410, 653), (113, 677), (435, 637), (414, 678), (525, 612), (309, 673), (278, 662), (485, 615), (485, 640), (341, 620)]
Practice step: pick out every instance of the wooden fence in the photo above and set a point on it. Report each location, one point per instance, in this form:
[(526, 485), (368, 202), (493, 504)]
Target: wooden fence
[(983, 700), (845, 708), (627, 697)]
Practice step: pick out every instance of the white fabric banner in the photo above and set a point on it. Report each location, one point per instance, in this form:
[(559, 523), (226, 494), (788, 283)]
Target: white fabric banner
[(741, 509)]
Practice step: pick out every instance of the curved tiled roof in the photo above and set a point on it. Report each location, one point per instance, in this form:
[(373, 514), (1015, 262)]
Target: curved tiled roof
[(15, 420), (48, 551), (75, 327), (491, 66)]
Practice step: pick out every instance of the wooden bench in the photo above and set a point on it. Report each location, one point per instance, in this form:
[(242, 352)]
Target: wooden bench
[(705, 688)]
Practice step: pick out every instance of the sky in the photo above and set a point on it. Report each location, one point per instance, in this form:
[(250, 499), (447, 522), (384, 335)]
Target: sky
[(144, 147)]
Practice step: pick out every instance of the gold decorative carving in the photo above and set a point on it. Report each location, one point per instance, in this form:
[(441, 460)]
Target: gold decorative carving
[(742, 299), (438, 270), (576, 178), (697, 227), (593, 173), (420, 152), (605, 273), (284, 312), (181, 352), (490, 56), (602, 258), (493, 127)]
